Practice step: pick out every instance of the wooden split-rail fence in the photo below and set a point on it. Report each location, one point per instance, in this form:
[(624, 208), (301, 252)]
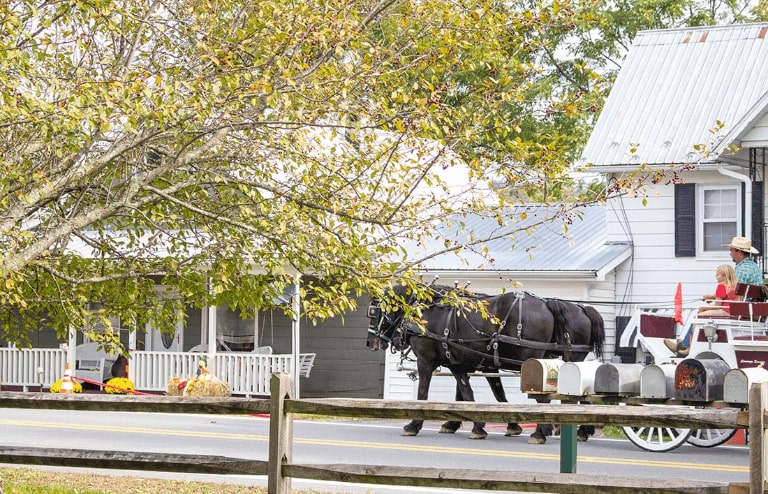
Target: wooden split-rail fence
[(280, 469)]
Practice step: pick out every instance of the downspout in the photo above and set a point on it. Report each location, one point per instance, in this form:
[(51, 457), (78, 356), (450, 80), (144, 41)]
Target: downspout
[(748, 199)]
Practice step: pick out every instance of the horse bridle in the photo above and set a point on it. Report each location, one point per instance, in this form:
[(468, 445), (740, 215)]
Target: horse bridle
[(378, 319)]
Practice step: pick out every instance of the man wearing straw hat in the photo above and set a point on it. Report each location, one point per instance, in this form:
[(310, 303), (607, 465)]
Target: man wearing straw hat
[(747, 270)]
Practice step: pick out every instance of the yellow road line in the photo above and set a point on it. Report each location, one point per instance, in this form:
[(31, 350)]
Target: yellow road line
[(661, 463)]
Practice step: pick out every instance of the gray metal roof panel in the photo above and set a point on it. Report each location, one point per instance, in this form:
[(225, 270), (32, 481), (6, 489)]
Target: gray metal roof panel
[(672, 89), (519, 246)]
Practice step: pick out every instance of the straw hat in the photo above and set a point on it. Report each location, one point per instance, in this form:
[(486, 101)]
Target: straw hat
[(743, 244)]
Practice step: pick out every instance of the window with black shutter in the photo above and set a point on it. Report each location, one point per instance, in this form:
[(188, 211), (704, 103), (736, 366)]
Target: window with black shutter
[(685, 220)]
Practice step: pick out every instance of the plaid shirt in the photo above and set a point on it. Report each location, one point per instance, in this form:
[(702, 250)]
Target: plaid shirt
[(747, 271)]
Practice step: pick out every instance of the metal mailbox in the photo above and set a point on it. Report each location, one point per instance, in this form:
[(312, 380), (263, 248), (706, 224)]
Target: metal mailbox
[(540, 375), (700, 379), (577, 378), (658, 381), (618, 379), (737, 382)]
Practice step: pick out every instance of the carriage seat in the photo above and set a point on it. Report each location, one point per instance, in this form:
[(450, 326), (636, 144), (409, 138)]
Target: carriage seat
[(753, 293), (751, 298), (749, 311), (93, 363)]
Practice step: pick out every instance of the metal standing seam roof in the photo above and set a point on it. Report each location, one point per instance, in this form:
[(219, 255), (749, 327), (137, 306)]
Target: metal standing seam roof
[(672, 89), (547, 247)]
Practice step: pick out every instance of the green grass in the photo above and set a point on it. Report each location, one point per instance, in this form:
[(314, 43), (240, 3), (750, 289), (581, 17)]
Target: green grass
[(33, 481), (612, 432)]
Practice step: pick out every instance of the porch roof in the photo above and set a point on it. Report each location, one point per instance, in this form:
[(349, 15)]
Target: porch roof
[(530, 244)]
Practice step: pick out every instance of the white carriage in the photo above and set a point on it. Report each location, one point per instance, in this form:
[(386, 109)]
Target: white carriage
[(739, 340)]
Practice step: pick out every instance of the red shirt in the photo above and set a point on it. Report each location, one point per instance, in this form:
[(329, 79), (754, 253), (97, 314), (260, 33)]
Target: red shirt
[(725, 293)]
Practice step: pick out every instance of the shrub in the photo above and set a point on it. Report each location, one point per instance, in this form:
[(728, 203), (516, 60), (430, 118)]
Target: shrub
[(56, 386), (119, 386)]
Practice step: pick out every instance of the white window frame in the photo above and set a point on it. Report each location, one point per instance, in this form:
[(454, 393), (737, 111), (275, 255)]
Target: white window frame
[(700, 220)]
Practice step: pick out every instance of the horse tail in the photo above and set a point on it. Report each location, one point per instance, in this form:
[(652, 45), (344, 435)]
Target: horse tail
[(598, 329), (560, 335)]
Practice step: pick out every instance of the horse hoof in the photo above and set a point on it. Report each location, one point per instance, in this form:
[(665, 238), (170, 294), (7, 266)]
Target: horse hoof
[(513, 431), (450, 427), (409, 432), (537, 439), (478, 435), (581, 438)]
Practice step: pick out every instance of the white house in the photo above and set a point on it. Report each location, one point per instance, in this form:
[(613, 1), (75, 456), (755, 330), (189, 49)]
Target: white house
[(695, 99)]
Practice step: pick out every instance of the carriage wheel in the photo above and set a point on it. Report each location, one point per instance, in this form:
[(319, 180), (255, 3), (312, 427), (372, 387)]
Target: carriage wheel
[(708, 438), (657, 439)]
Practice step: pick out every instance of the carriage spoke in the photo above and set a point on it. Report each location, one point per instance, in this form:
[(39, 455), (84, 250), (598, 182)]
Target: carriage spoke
[(657, 439)]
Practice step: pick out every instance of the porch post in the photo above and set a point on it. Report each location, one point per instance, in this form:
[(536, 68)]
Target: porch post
[(211, 329), (295, 316), (71, 347), (210, 316)]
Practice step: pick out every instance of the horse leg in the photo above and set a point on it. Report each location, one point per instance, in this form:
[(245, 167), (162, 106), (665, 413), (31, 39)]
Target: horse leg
[(584, 431), (539, 436), (425, 377), (462, 385), (452, 425), (497, 389)]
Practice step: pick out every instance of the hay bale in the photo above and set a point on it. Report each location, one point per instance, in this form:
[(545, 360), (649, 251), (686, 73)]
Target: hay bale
[(174, 387), (205, 384), (206, 387)]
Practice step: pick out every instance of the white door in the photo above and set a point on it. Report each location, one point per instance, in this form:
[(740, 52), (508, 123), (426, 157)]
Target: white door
[(158, 341), (164, 342)]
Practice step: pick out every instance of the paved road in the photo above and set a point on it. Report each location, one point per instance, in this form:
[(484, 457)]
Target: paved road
[(356, 442)]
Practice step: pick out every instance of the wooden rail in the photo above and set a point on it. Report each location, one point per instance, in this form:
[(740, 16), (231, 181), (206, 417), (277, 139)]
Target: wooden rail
[(280, 469)]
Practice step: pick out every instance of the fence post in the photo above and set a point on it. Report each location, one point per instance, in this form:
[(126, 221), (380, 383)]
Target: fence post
[(758, 401), (567, 448), (280, 433)]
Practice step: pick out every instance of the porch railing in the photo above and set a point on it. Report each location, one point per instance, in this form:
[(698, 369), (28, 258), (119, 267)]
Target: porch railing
[(31, 367), (247, 373)]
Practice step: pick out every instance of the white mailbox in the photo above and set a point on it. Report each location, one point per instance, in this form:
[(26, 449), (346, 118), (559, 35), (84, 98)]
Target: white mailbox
[(658, 381), (737, 382), (577, 378)]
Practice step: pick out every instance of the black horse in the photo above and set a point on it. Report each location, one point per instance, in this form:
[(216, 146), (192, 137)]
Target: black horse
[(516, 327)]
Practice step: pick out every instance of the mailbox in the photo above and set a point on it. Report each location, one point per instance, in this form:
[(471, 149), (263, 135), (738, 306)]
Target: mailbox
[(737, 382), (658, 381), (577, 378), (700, 379), (539, 375), (618, 379)]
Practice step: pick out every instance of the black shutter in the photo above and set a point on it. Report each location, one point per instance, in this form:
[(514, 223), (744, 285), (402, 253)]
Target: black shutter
[(685, 220)]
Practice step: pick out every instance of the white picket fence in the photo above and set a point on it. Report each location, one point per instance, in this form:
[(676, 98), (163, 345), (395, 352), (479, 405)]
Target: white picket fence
[(247, 373), (31, 367)]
